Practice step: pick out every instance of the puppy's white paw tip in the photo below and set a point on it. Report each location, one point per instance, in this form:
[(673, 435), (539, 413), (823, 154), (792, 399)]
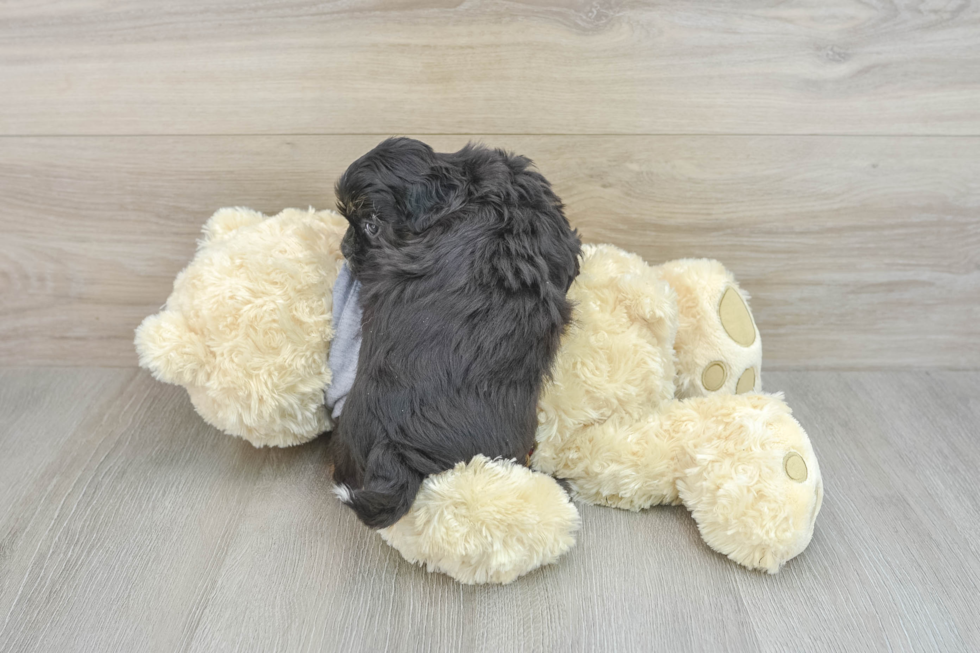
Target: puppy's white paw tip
[(343, 493)]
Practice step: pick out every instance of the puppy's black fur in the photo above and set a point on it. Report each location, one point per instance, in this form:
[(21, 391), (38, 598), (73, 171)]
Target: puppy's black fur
[(464, 261)]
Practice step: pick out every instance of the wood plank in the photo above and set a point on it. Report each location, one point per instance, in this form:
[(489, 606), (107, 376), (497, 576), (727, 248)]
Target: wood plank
[(530, 66), (858, 251), (134, 526), (103, 531)]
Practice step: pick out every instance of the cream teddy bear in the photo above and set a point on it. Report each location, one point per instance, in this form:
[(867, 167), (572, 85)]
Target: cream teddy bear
[(654, 399)]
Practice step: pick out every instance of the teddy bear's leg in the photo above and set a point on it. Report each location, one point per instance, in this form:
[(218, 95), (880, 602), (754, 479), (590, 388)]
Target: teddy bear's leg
[(718, 345), (486, 521), (750, 478), (622, 462), (741, 464)]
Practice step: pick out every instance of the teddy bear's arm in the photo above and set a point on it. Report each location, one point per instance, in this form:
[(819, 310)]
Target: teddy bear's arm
[(486, 521)]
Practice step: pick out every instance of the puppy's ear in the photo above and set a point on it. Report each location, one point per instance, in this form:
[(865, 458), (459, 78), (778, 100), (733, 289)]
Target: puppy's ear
[(437, 195), (540, 249)]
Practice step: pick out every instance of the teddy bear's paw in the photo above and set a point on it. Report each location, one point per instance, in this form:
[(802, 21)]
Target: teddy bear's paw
[(718, 346), (754, 488), (486, 521), (766, 541)]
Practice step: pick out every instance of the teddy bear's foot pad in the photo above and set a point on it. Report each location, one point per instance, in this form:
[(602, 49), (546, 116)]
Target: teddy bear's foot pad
[(735, 318)]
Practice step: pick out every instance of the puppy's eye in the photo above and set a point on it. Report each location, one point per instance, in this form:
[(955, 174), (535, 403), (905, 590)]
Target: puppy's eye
[(371, 228)]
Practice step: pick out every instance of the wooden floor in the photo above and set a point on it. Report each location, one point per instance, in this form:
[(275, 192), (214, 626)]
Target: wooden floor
[(126, 524)]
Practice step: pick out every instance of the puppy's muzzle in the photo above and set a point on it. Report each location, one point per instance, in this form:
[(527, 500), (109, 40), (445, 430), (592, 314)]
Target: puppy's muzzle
[(347, 244)]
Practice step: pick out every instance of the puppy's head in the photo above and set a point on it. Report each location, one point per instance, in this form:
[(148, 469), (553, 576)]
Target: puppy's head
[(390, 196)]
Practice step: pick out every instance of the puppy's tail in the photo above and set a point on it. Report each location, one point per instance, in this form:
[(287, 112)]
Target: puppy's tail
[(388, 491)]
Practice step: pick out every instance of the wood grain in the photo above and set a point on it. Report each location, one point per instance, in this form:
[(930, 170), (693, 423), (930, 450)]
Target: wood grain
[(858, 251), (523, 66), (127, 524)]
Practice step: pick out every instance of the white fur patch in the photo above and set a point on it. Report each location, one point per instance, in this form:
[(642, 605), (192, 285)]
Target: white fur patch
[(343, 493)]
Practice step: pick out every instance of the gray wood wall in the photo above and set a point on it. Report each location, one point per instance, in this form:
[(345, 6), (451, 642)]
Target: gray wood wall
[(828, 153)]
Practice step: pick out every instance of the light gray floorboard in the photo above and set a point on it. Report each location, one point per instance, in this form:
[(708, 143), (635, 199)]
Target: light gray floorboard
[(127, 524)]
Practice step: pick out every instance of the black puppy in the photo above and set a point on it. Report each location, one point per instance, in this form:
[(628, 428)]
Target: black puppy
[(464, 261)]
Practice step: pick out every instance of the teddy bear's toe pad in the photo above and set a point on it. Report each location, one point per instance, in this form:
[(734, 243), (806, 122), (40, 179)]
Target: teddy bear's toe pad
[(795, 467), (714, 376), (746, 382), (488, 521)]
